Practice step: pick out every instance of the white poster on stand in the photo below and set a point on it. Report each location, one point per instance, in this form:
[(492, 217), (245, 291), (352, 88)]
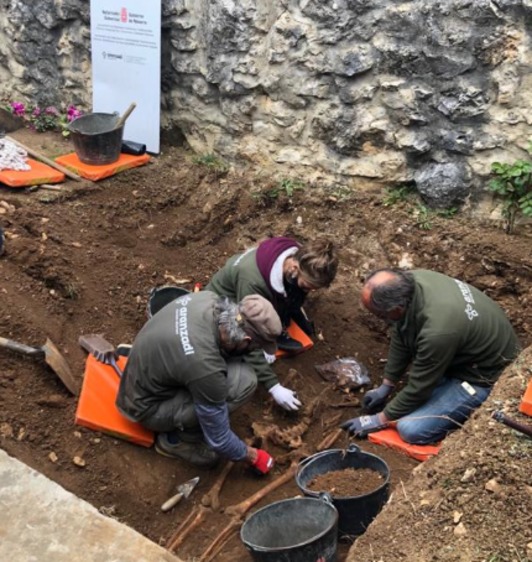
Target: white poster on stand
[(126, 65)]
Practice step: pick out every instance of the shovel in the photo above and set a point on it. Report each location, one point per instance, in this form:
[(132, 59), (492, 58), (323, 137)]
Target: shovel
[(51, 356), (100, 348)]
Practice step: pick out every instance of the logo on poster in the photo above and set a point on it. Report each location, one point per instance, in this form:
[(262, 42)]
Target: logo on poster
[(123, 15), (115, 56)]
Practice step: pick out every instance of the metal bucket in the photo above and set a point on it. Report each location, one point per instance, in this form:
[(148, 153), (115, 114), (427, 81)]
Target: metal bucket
[(355, 512), (161, 296), (96, 139), (293, 530)]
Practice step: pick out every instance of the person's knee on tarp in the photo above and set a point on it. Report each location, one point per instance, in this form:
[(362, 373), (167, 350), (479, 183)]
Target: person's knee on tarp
[(451, 340)]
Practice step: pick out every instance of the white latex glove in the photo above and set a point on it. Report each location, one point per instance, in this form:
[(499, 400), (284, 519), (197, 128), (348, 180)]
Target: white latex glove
[(285, 397), (269, 358)]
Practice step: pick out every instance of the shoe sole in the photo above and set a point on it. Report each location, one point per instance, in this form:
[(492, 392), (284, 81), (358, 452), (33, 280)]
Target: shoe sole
[(164, 453)]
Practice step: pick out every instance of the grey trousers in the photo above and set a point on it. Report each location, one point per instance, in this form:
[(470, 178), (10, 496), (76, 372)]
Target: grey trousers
[(178, 412)]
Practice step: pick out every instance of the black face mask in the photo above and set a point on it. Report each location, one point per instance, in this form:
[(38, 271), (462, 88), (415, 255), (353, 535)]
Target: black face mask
[(290, 280), (294, 293)]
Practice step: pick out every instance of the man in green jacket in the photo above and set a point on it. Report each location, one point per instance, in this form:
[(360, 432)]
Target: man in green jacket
[(456, 341), (185, 374)]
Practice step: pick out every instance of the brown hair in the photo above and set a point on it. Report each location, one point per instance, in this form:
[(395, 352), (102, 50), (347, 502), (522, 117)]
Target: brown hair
[(318, 262)]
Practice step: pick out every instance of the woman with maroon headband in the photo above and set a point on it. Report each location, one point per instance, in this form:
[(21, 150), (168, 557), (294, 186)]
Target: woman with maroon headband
[(283, 271)]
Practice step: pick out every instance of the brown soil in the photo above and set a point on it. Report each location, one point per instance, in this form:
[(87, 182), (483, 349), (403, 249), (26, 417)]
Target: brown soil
[(347, 482), (84, 261)]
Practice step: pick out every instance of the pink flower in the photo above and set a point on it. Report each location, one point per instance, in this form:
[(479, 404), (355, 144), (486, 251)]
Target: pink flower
[(36, 112), (51, 110), (73, 113), (18, 108)]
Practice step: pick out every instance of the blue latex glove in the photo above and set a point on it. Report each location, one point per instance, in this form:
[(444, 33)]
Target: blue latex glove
[(360, 427), (374, 399)]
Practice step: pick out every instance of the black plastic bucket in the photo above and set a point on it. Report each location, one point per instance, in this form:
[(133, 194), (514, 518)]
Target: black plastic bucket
[(355, 512), (293, 530), (161, 296), (96, 139)]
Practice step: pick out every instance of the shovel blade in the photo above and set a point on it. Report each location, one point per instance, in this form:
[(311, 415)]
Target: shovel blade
[(55, 360)]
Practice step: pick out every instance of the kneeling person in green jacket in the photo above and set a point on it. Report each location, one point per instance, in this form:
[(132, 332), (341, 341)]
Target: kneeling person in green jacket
[(454, 338), (185, 374)]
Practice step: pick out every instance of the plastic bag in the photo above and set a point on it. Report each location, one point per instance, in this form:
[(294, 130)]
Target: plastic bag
[(346, 373)]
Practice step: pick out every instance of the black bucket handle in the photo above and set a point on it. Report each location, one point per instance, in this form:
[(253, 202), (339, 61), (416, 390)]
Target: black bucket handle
[(326, 497), (351, 450)]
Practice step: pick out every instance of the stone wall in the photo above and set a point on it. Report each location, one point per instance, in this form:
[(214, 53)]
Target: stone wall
[(339, 90)]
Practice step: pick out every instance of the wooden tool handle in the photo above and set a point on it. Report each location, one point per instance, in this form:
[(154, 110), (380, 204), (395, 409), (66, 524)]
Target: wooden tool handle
[(126, 114), (21, 347), (171, 502), (46, 160)]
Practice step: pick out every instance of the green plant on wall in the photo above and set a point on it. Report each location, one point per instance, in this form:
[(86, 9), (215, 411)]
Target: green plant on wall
[(212, 162), (513, 184), (284, 187), (405, 195), (398, 194), (289, 186)]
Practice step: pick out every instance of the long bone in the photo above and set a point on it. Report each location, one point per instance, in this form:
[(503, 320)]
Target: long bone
[(243, 507), (194, 519), (212, 497), (239, 510)]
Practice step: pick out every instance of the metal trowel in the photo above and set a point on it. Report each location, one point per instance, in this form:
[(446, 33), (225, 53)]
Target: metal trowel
[(183, 492)]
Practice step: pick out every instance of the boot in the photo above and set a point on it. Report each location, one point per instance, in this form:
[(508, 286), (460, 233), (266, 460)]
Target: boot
[(286, 343), (196, 453), (123, 349)]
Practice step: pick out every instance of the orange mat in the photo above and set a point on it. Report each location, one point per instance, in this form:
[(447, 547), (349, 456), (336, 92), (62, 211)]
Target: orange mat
[(295, 332), (96, 406), (390, 438), (95, 173), (39, 173), (525, 406)]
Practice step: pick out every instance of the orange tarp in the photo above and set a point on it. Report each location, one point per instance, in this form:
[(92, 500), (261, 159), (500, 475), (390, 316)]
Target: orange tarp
[(295, 332), (390, 438), (39, 173), (95, 173), (526, 403), (96, 406)]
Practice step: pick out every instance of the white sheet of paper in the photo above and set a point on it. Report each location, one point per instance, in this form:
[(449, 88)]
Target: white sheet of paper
[(126, 65)]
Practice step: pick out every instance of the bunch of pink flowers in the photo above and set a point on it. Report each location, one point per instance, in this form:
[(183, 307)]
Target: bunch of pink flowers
[(45, 119)]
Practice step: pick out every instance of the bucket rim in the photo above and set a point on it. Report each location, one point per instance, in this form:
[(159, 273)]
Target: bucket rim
[(87, 116), (161, 289), (321, 454), (258, 548)]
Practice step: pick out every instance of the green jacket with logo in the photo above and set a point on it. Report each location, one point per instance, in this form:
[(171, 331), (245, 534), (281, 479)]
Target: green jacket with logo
[(450, 329), (180, 345), (239, 277)]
